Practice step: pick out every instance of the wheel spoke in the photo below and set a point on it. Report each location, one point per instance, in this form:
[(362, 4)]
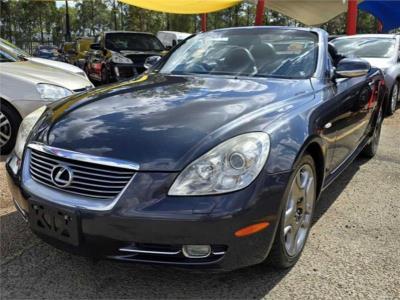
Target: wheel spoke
[(298, 212), (309, 195), (290, 212), (4, 123)]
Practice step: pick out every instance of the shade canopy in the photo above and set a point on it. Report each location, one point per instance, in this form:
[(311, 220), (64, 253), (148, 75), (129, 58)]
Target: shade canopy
[(387, 11), (309, 12), (183, 6)]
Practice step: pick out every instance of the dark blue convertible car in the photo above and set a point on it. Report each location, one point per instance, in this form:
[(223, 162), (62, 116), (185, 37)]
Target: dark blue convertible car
[(214, 158)]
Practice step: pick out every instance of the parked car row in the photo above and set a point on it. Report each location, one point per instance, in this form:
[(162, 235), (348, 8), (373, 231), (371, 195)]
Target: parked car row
[(119, 55), (30, 81), (27, 83), (214, 158)]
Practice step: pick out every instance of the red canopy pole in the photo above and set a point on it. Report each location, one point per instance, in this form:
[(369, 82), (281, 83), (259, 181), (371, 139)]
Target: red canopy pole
[(380, 27), (204, 22), (351, 17), (260, 13)]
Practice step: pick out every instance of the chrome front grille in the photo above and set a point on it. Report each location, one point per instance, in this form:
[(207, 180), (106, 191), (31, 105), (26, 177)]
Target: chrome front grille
[(88, 179)]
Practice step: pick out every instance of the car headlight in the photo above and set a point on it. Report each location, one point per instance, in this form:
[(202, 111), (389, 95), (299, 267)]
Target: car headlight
[(83, 74), (52, 92), (230, 166), (120, 59), (25, 128)]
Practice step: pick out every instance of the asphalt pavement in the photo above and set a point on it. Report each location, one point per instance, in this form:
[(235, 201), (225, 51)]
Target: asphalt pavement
[(353, 251)]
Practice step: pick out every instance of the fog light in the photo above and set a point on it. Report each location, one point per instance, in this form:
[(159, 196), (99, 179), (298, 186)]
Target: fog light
[(196, 251)]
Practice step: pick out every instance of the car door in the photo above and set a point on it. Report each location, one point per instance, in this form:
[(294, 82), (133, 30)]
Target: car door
[(351, 97)]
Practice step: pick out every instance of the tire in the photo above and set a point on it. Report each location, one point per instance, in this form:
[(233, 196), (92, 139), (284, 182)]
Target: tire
[(282, 254), (104, 76), (371, 148), (393, 98), (86, 69), (9, 124)]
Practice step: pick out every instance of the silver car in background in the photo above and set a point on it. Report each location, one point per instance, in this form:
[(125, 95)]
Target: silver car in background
[(27, 85), (48, 62), (381, 51)]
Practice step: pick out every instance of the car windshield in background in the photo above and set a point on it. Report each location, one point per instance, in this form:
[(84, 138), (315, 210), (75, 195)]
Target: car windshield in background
[(373, 47), (282, 53), (13, 48), (8, 54), (47, 52), (132, 41)]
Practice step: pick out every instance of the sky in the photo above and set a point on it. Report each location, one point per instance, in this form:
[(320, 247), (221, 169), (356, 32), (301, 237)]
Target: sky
[(62, 3)]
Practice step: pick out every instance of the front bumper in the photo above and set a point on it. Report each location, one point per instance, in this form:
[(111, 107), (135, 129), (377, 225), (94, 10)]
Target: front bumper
[(144, 218), (126, 71)]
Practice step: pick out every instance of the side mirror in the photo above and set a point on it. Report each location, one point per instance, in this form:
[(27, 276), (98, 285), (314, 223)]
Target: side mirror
[(151, 61), (95, 46), (168, 47), (352, 67)]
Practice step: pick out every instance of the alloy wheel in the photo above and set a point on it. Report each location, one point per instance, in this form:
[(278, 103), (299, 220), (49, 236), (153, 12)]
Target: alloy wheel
[(5, 129), (299, 210), (395, 97)]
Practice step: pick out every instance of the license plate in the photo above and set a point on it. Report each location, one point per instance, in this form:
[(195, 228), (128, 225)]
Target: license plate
[(61, 224)]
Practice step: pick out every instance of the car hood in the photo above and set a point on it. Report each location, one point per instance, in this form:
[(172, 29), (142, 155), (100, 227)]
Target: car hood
[(59, 65), (164, 122), (40, 73)]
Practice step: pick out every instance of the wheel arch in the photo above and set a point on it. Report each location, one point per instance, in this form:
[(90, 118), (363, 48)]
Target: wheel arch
[(12, 107), (315, 147)]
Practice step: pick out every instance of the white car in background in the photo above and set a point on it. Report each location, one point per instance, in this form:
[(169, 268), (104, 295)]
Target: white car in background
[(26, 85), (172, 38), (381, 51), (48, 62)]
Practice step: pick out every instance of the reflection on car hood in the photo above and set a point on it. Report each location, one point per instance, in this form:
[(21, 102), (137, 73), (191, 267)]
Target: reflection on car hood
[(58, 64), (40, 73), (163, 122)]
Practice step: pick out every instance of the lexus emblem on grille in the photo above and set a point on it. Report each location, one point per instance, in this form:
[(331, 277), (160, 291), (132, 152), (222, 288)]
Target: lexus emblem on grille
[(61, 176)]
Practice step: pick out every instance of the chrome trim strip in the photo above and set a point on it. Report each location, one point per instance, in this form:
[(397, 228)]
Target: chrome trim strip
[(149, 251), (353, 73), (40, 157), (64, 198), (138, 251), (24, 215), (84, 157)]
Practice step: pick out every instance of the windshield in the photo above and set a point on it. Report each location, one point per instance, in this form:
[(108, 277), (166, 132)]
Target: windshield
[(8, 54), (11, 53), (47, 52), (132, 41), (373, 47), (261, 52)]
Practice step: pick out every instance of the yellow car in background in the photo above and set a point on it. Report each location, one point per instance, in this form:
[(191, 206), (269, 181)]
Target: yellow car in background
[(75, 52), (82, 46)]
